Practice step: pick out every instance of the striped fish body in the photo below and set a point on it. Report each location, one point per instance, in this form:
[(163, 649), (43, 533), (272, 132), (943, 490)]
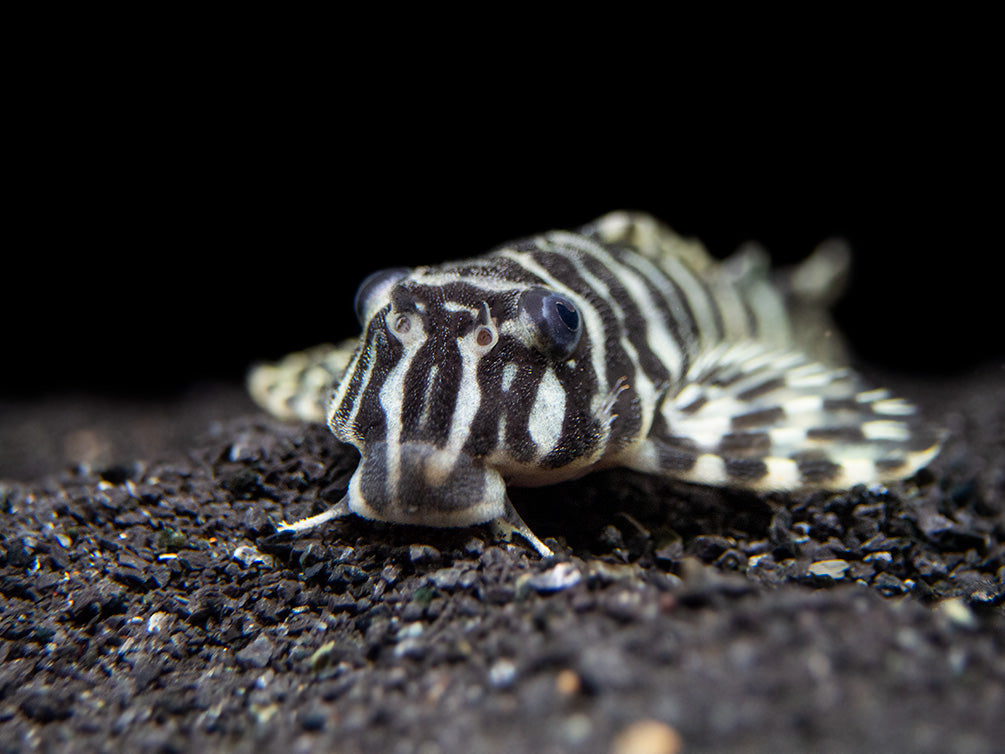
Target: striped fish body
[(619, 345)]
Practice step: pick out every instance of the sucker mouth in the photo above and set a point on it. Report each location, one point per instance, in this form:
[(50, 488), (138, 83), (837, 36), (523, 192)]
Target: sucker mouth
[(417, 483)]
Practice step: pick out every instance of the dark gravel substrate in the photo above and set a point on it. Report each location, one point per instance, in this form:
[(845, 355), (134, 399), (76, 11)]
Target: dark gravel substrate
[(149, 606)]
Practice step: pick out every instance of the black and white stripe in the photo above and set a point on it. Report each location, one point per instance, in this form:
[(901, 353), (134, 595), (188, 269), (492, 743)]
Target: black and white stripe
[(685, 366)]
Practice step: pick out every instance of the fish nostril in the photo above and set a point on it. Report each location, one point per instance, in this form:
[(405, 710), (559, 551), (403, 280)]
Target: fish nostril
[(402, 324), (484, 336)]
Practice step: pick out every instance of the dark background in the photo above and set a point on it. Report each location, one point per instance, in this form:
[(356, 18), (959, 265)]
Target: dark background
[(169, 229)]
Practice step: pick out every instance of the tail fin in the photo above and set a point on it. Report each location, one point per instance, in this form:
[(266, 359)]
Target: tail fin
[(300, 385)]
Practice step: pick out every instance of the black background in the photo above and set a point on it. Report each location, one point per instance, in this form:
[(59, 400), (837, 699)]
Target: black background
[(170, 227)]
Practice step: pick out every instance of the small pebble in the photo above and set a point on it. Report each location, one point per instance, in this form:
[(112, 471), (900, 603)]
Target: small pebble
[(648, 737), (956, 610), (46, 705), (835, 569), (502, 674), (257, 654), (889, 585), (576, 729), (556, 578), (248, 556), (568, 682), (159, 622), (423, 555), (446, 578), (322, 657), (883, 558), (313, 719)]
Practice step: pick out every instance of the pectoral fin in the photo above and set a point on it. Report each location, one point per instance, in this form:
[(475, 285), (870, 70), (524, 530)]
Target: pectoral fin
[(752, 417)]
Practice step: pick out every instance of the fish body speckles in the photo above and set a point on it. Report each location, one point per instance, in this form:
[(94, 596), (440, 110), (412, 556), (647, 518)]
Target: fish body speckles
[(619, 345)]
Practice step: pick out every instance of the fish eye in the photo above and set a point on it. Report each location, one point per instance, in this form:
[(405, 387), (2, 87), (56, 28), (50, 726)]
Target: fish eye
[(556, 320), (372, 288)]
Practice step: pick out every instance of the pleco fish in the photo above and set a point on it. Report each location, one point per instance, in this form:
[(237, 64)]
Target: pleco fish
[(620, 345)]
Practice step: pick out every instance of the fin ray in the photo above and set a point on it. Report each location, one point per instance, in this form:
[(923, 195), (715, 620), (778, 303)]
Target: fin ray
[(754, 417)]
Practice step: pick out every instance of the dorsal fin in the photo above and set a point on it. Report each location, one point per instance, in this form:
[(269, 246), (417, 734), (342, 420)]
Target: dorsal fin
[(652, 238)]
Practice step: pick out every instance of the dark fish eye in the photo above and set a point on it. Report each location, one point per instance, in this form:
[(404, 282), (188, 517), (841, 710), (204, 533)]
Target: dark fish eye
[(568, 314), (556, 319), (375, 284)]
